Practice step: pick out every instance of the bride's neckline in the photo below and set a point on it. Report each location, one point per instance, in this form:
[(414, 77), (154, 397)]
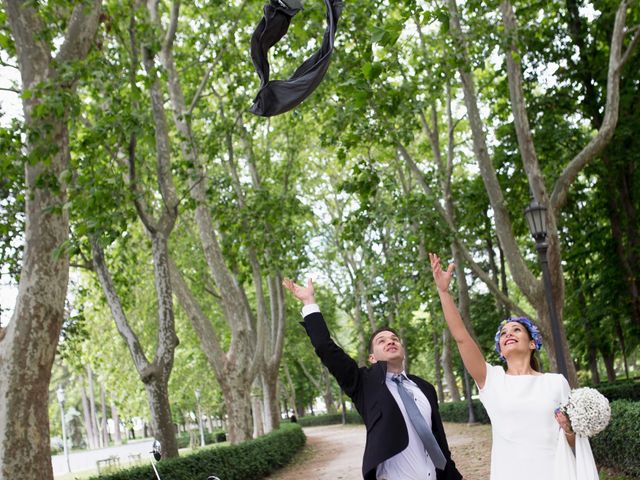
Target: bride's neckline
[(535, 374)]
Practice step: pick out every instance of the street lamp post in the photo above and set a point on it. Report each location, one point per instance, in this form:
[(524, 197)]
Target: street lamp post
[(536, 215), (60, 394), (199, 418)]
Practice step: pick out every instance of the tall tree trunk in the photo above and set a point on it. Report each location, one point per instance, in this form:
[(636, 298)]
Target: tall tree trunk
[(238, 407), (328, 391), (273, 344), (633, 238), (92, 409), (447, 366), (363, 348), (291, 388), (270, 400), (257, 408), (115, 416), (233, 370), (627, 258), (530, 286), (371, 314), (103, 420), (464, 305), (238, 367), (503, 281), (609, 364), (623, 348), (160, 409), (616, 178), (437, 365), (88, 422), (28, 343), (209, 423), (154, 375), (587, 322)]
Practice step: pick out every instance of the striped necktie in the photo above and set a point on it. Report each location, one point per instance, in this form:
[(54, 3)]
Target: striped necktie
[(419, 423)]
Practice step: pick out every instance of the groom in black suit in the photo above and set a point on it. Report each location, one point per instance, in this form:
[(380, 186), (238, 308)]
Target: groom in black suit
[(386, 398)]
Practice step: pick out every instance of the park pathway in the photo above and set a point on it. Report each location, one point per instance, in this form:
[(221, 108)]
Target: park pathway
[(134, 451), (335, 452)]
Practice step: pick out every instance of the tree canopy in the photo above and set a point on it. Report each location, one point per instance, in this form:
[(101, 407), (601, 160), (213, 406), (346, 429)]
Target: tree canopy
[(179, 213)]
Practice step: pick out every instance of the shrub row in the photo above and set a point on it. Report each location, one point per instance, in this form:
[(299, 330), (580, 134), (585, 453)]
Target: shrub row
[(329, 419), (623, 390), (246, 461), (458, 412), (618, 445), (450, 412), (209, 438)]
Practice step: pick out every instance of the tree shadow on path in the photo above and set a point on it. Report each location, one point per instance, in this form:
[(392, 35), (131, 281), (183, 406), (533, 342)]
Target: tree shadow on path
[(335, 452)]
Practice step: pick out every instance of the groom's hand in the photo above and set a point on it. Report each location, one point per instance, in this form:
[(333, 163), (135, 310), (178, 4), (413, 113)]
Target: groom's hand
[(305, 294)]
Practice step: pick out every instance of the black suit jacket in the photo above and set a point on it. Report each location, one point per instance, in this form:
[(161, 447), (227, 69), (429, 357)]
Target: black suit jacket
[(386, 429)]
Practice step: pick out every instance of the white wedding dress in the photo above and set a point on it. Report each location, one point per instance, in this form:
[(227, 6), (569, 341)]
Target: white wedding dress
[(528, 443)]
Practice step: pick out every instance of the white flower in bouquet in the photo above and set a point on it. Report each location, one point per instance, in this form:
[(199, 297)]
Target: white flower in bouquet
[(588, 411)]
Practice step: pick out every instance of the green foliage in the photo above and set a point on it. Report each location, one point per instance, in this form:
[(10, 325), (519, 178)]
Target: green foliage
[(458, 412), (334, 194), (618, 445), (209, 438), (621, 390), (246, 461), (329, 419), (12, 199)]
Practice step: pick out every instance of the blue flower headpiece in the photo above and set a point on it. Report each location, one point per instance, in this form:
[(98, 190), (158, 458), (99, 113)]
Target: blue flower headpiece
[(534, 333)]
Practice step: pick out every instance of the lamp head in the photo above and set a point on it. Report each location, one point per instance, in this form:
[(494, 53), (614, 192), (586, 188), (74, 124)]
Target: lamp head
[(536, 216)]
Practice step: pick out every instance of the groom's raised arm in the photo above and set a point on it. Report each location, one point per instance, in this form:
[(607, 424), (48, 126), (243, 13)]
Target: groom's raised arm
[(340, 365)]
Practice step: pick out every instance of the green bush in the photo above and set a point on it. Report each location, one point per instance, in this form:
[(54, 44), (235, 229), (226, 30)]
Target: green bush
[(209, 438), (458, 412), (329, 419), (246, 461), (450, 412), (622, 390), (618, 445)]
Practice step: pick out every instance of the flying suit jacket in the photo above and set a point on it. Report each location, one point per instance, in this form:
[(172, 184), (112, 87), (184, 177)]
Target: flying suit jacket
[(279, 96), (366, 386)]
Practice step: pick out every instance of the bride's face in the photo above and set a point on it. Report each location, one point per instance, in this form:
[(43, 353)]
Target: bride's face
[(515, 338)]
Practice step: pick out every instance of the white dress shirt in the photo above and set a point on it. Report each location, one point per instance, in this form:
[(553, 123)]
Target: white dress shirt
[(413, 463)]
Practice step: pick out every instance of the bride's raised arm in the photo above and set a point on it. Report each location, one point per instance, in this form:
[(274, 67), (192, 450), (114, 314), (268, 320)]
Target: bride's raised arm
[(471, 355)]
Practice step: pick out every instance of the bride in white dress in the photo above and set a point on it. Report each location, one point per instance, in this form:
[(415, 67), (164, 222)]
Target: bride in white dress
[(520, 402)]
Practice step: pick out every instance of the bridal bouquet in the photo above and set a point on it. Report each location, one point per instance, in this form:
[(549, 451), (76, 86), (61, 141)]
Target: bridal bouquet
[(588, 410)]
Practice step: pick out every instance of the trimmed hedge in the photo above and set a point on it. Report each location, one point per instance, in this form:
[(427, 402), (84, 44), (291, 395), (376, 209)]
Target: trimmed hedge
[(249, 460), (458, 412), (618, 445), (329, 419), (622, 390), (455, 412)]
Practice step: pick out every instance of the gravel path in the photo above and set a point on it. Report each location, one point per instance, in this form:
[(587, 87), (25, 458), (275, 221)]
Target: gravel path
[(335, 452)]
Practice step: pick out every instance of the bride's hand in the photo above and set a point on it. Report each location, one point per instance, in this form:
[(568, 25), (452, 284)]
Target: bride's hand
[(440, 276)]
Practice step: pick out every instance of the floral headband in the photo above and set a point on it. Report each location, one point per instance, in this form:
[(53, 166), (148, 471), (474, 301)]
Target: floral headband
[(533, 332)]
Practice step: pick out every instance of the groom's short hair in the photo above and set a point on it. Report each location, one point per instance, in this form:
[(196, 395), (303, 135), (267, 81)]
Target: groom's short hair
[(381, 329)]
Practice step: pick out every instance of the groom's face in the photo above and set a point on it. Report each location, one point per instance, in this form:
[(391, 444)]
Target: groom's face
[(386, 346)]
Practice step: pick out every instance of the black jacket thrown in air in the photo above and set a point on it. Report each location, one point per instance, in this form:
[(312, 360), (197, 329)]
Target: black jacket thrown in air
[(386, 429), (279, 96)]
